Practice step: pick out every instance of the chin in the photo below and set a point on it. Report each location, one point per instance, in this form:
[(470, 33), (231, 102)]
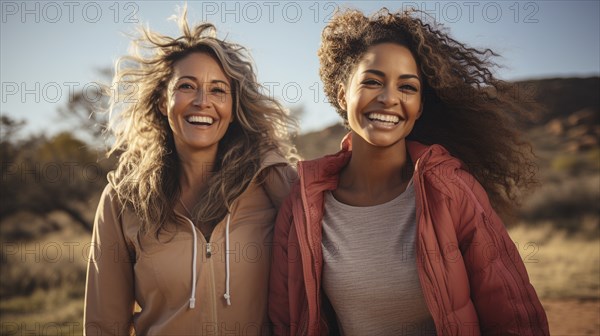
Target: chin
[(384, 141), (196, 145)]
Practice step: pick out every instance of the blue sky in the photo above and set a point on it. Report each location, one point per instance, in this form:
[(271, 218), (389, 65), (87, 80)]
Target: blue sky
[(49, 49)]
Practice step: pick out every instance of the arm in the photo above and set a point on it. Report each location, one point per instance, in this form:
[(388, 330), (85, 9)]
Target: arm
[(505, 300), (279, 309), (109, 292)]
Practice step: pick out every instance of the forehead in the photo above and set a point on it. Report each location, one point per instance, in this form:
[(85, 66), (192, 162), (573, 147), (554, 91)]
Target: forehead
[(200, 65), (389, 57)]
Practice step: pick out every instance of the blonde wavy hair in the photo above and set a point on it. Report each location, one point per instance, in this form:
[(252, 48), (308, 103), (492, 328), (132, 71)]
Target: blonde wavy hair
[(146, 178)]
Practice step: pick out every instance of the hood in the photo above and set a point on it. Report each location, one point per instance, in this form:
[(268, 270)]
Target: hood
[(322, 174)]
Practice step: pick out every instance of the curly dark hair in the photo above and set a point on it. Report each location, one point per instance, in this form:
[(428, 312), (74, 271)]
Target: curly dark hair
[(466, 108)]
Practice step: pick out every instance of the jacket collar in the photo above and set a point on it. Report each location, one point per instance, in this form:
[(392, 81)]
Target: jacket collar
[(415, 149), (322, 174)]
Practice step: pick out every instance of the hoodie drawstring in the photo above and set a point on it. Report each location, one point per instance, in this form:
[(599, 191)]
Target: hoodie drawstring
[(194, 257), (227, 295)]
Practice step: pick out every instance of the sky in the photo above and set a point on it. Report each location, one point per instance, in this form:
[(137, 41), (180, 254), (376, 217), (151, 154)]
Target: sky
[(48, 50)]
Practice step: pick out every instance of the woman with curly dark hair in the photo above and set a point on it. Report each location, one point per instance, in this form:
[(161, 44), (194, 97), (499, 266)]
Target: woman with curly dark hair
[(399, 232)]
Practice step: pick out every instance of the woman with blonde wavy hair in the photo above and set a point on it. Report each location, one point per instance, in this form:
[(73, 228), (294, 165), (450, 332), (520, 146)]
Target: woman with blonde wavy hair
[(398, 233), (181, 241)]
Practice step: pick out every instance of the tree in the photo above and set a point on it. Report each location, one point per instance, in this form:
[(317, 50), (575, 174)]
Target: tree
[(9, 152), (41, 175), (88, 109)]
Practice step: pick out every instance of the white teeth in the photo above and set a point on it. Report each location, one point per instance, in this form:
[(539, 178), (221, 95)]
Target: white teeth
[(200, 119), (383, 117)]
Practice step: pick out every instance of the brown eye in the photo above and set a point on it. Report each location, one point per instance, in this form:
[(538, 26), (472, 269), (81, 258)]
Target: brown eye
[(186, 87), (410, 88), (217, 90), (371, 82)]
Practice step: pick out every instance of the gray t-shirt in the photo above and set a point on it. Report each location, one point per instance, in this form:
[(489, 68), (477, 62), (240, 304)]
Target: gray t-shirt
[(370, 271)]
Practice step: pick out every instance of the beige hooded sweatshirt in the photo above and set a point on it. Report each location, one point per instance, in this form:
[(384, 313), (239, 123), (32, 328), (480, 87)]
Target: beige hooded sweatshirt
[(182, 284)]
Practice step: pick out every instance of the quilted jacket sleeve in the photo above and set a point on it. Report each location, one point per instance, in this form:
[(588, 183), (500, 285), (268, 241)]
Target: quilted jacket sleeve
[(505, 300), (279, 309)]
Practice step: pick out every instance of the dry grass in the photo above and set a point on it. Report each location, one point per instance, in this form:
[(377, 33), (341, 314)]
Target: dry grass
[(42, 283), (564, 268), (58, 311), (563, 198), (560, 265), (55, 259)]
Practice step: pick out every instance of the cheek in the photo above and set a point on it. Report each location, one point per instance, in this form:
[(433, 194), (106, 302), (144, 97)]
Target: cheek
[(173, 103), (226, 109), (413, 107), (416, 109), (353, 103)]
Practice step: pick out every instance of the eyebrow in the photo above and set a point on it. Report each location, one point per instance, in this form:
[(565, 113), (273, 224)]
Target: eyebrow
[(382, 74), (196, 79)]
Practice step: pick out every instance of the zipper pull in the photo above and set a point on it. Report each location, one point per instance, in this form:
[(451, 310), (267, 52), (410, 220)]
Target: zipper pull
[(208, 250)]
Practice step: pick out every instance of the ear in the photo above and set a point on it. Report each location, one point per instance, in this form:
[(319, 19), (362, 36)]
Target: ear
[(162, 106), (341, 96)]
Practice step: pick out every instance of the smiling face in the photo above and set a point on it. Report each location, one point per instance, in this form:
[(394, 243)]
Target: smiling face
[(199, 103), (383, 95)]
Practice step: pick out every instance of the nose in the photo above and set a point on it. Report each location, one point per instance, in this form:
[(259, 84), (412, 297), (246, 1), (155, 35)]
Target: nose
[(201, 99), (389, 96)]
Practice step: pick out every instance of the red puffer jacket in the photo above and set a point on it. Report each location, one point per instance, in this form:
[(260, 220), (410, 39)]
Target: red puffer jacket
[(473, 278)]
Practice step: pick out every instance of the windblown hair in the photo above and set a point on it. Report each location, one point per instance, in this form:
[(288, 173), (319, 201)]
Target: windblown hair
[(465, 108), (147, 176)]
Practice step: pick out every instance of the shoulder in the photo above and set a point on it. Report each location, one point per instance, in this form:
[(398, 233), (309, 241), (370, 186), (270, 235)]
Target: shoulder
[(282, 174), (110, 193), (111, 206), (457, 196), (276, 172), (109, 212), (277, 176), (315, 174), (109, 196), (451, 177)]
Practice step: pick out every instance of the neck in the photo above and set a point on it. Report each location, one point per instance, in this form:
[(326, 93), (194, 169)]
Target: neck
[(196, 169), (374, 170)]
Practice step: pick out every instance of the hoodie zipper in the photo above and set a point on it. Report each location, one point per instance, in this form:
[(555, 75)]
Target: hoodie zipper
[(212, 291), (208, 250), (209, 263)]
